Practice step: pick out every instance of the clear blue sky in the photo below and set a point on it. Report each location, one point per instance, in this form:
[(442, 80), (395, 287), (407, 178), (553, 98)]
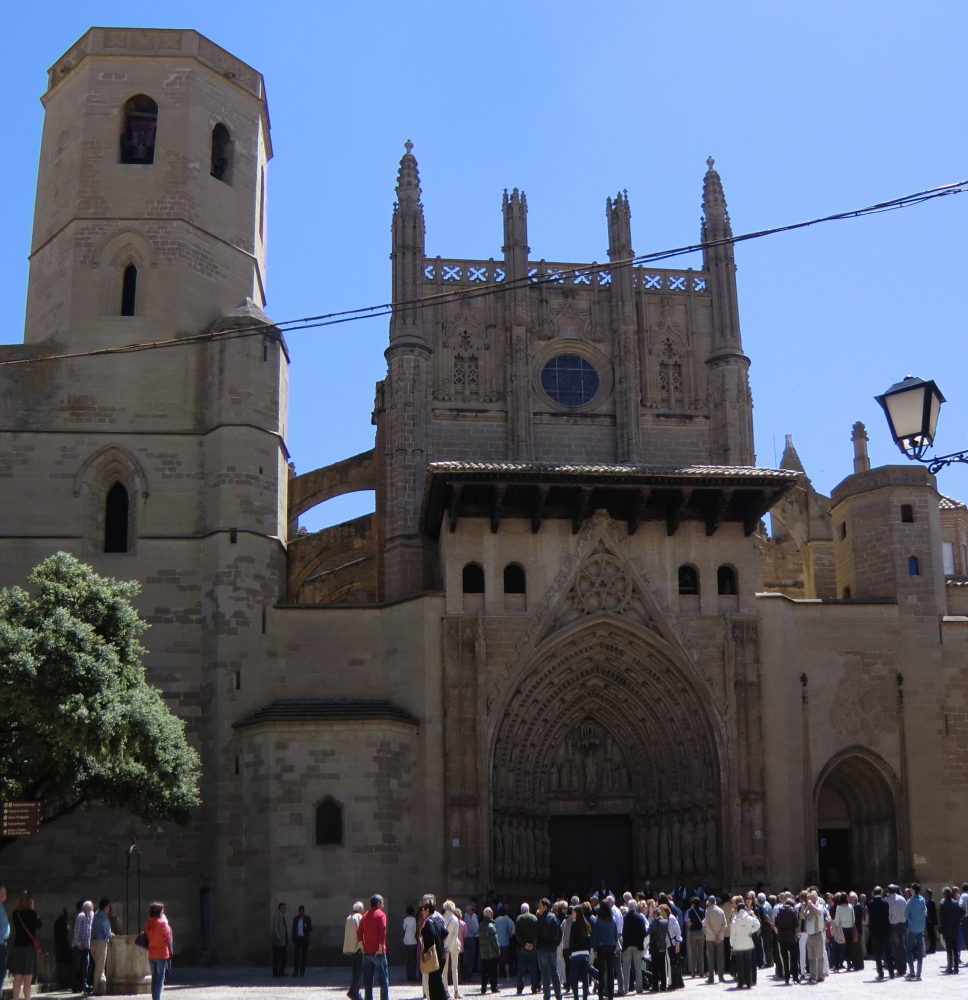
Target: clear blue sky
[(807, 108)]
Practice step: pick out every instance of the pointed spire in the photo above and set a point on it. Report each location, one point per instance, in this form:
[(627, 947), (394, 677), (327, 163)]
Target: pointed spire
[(790, 459), (715, 223), (408, 182), (407, 251), (619, 216)]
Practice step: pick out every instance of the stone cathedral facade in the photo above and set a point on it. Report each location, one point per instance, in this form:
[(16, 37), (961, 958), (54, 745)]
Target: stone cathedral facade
[(563, 649)]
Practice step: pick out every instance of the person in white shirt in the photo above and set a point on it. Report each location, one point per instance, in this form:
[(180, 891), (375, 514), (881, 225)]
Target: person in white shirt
[(351, 946), (742, 926), (470, 942), (410, 944)]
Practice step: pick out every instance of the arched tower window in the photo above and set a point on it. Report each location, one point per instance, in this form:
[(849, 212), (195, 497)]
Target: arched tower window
[(329, 822), (688, 580), (116, 519), (914, 568), (140, 125), (129, 290), (473, 579), (726, 581), (514, 580), (221, 154)]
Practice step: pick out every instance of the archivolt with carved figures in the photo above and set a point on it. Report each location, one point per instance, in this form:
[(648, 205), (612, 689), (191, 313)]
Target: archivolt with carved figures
[(605, 720)]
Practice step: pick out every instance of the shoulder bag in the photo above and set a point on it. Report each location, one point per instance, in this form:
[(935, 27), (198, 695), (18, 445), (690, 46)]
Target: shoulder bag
[(429, 959), (33, 940)]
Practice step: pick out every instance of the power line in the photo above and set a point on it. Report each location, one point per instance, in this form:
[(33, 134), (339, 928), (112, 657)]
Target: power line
[(529, 281)]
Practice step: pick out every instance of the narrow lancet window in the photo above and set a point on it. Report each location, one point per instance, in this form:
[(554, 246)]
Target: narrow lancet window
[(129, 290), (116, 520)]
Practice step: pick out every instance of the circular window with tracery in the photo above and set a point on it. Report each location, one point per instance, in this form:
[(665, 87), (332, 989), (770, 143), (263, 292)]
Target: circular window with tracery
[(603, 584), (569, 380)]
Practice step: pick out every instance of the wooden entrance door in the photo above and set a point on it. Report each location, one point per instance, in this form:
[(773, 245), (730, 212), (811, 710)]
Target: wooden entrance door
[(587, 850)]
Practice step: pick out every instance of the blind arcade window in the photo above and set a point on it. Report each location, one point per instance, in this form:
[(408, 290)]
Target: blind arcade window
[(569, 380), (726, 580), (514, 582), (473, 579), (688, 580), (329, 822)]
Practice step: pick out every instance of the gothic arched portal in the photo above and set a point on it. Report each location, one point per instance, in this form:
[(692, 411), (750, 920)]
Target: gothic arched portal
[(606, 741), (861, 834)]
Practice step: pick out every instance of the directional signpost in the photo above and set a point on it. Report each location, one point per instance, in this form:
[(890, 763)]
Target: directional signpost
[(21, 819)]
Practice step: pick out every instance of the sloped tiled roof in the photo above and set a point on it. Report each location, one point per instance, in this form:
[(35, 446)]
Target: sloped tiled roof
[(949, 503)]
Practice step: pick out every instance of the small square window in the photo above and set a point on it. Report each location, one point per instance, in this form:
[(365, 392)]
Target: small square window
[(907, 513)]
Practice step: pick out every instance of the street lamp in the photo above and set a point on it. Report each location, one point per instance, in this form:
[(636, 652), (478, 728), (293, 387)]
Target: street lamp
[(912, 407)]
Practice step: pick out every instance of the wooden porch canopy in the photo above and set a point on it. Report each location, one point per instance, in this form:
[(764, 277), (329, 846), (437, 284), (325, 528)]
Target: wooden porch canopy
[(497, 490)]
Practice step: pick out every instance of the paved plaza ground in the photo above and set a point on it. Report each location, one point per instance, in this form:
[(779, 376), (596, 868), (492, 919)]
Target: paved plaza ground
[(331, 984)]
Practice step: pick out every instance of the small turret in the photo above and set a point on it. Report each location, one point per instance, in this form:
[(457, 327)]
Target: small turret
[(516, 250), (790, 459), (731, 408), (627, 393), (859, 436)]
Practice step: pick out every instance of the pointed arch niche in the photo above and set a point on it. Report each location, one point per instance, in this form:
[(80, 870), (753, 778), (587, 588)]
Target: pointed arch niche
[(93, 485), (117, 254), (605, 721)]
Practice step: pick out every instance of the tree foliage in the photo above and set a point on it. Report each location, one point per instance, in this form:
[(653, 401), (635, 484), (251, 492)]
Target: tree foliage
[(78, 721)]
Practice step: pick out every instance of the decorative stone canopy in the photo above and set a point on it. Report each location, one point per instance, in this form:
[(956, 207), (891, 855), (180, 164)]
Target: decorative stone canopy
[(496, 490)]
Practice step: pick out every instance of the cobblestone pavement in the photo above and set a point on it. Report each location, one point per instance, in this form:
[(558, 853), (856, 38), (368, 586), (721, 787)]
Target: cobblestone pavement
[(330, 984)]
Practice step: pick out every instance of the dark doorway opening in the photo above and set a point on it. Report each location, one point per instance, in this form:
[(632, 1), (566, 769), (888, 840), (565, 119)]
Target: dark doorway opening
[(205, 919), (587, 850), (833, 847)]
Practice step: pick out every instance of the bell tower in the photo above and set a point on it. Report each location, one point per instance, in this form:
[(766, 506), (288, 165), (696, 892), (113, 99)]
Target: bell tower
[(150, 212)]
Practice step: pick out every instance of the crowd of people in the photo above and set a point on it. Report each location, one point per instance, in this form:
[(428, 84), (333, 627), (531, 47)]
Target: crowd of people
[(80, 945), (652, 942)]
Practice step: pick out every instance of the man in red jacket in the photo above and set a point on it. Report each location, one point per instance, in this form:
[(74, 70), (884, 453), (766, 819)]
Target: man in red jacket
[(372, 933)]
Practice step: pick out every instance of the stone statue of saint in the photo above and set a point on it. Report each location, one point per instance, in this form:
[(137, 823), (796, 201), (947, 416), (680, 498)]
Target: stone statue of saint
[(591, 773), (498, 852), (676, 854)]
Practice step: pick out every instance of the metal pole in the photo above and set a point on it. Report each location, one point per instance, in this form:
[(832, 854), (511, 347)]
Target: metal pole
[(127, 894), (139, 885)]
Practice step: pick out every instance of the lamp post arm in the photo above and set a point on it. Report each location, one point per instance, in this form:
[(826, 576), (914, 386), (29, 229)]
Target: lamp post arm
[(939, 462)]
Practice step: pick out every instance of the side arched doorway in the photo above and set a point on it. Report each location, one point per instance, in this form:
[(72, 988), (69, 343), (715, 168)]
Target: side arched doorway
[(605, 766), (861, 834)]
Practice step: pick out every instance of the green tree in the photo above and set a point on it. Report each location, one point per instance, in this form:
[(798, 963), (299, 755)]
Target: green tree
[(78, 721)]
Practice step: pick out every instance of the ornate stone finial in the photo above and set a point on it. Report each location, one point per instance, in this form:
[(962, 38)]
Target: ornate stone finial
[(859, 436), (408, 145), (709, 162)]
